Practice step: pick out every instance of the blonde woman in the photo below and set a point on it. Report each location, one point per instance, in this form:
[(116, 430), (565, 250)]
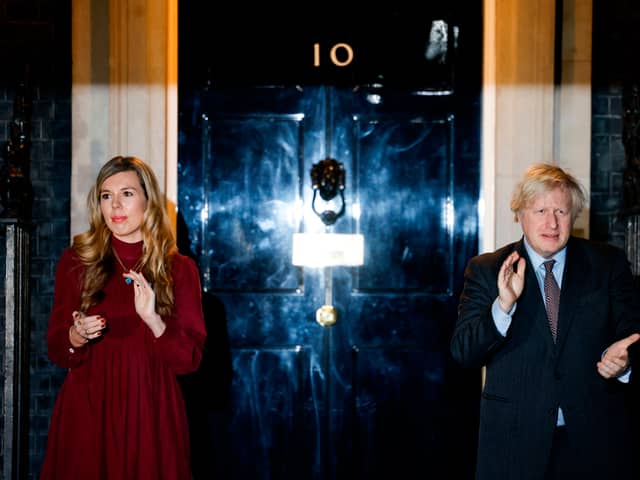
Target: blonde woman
[(126, 320)]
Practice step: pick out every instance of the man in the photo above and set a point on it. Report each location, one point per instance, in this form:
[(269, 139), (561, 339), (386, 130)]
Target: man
[(553, 405)]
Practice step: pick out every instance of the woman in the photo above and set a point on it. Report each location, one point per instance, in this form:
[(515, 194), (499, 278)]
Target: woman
[(126, 320)]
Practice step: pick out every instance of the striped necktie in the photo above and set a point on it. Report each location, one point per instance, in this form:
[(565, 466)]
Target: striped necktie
[(551, 297)]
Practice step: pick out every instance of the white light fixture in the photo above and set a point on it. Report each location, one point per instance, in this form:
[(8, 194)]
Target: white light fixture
[(328, 250)]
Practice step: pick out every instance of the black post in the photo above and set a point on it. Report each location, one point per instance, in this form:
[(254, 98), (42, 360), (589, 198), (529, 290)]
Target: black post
[(16, 199), (15, 368), (16, 191)]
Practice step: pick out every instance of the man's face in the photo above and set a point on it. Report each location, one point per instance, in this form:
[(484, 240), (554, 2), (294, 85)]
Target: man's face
[(546, 221)]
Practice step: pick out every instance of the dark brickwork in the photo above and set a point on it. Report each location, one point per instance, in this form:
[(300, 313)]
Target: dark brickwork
[(615, 36), (50, 175), (607, 165), (35, 46)]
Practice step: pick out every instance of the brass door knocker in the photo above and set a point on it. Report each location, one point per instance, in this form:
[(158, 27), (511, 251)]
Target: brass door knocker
[(327, 178)]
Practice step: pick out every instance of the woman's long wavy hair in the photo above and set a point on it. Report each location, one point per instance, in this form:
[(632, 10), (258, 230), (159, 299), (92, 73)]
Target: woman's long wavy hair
[(93, 247)]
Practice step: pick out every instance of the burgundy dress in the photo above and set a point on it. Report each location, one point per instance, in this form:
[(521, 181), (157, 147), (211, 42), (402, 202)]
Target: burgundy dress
[(120, 414)]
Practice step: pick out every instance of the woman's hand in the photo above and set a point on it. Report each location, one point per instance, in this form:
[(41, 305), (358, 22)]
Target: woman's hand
[(85, 328), (145, 302)]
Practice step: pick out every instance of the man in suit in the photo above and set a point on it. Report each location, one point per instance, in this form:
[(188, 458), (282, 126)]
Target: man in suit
[(553, 405)]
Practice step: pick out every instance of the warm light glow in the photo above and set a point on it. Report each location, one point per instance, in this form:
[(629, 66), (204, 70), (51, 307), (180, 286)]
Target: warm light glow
[(328, 249)]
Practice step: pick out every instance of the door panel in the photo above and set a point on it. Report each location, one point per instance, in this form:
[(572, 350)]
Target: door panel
[(412, 224), (251, 179), (377, 392)]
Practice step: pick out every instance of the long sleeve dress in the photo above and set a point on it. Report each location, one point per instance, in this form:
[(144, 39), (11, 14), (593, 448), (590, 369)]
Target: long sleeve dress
[(120, 413)]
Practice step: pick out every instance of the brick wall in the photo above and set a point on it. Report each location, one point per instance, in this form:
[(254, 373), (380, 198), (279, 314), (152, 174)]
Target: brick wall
[(35, 45), (50, 175), (607, 165), (615, 36)]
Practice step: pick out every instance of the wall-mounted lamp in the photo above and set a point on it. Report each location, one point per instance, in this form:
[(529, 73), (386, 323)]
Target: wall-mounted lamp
[(328, 250)]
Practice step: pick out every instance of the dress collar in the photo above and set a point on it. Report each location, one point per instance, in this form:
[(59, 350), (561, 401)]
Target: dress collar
[(127, 250)]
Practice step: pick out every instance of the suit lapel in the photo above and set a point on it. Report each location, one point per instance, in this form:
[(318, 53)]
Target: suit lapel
[(575, 274)]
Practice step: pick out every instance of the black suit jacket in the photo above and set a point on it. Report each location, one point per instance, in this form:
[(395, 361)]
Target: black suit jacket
[(528, 376)]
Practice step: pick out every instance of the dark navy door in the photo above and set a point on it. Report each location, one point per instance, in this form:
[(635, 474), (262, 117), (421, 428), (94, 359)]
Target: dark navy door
[(375, 393)]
